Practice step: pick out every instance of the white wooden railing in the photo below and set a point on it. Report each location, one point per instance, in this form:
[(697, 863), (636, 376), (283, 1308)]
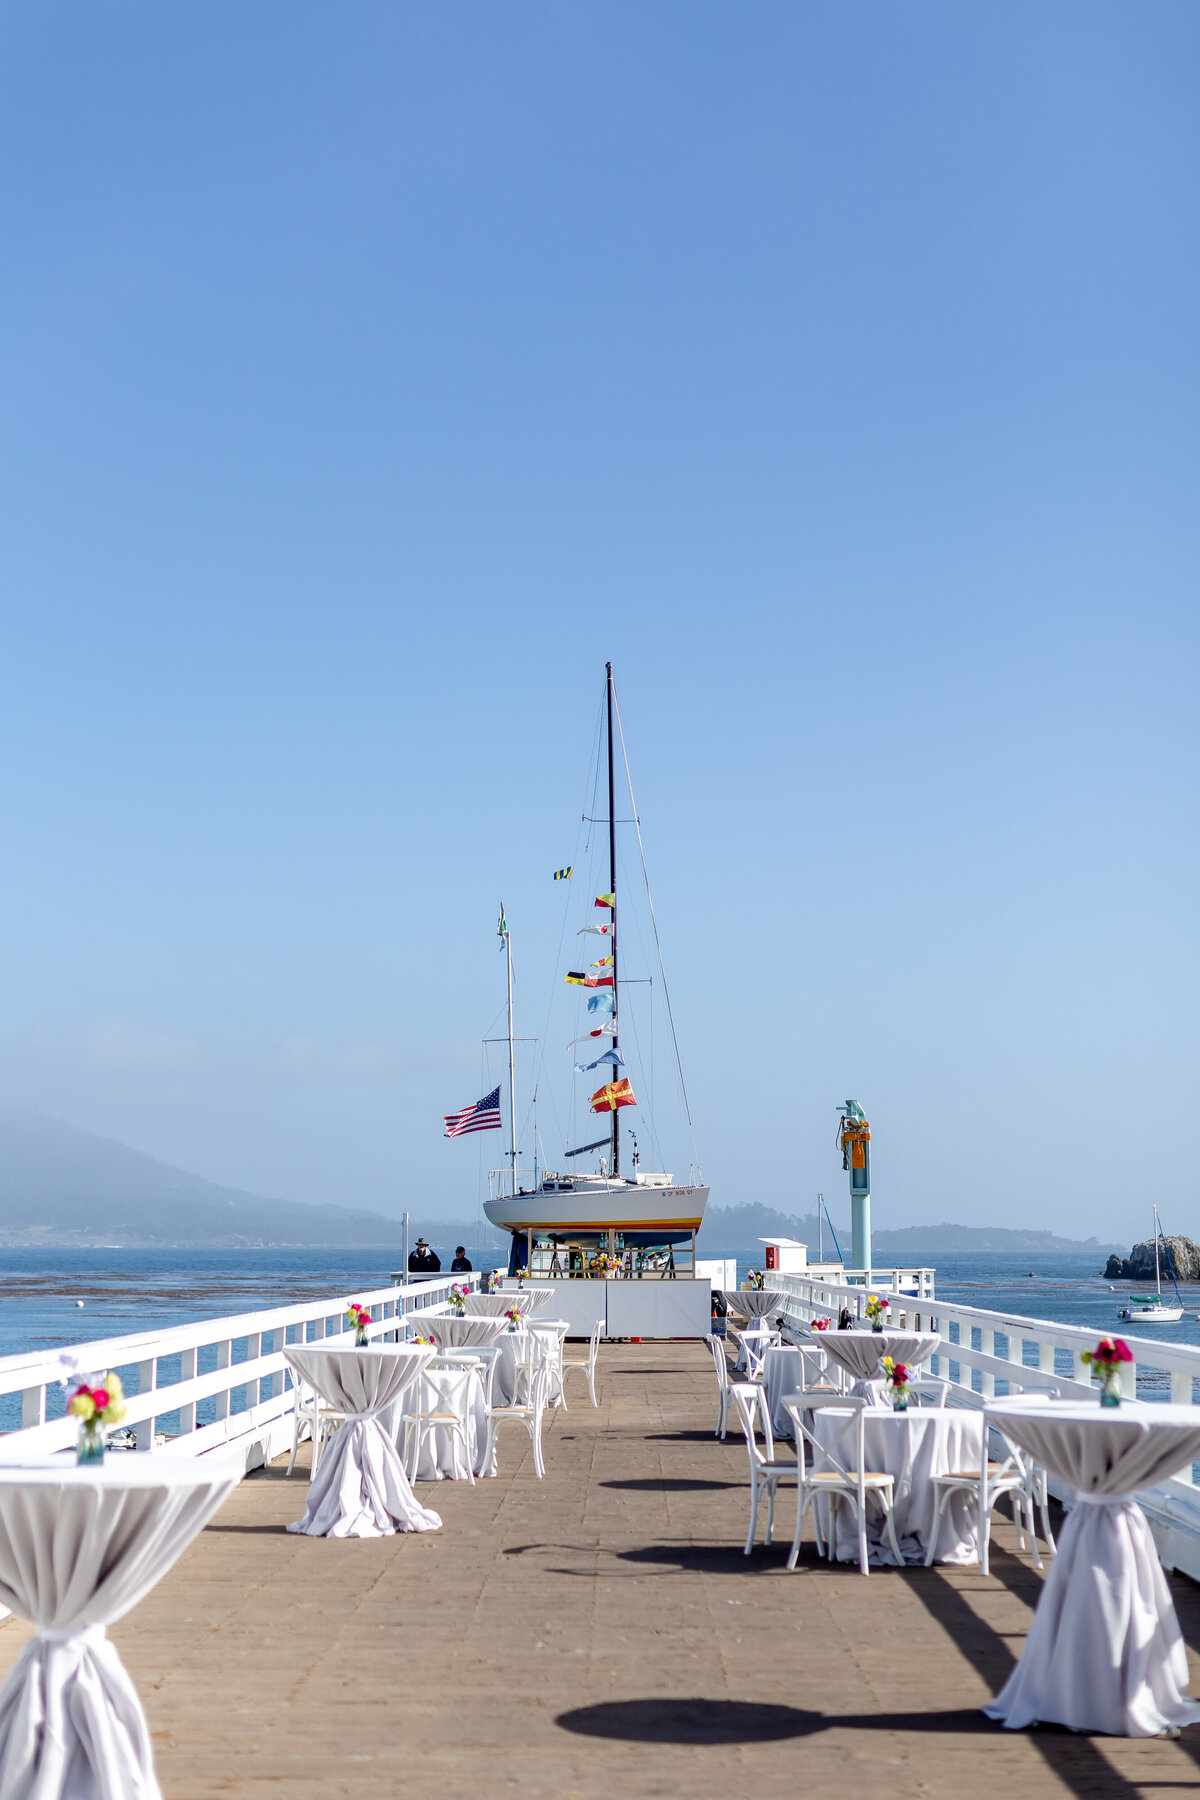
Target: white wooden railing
[(986, 1355), (221, 1384)]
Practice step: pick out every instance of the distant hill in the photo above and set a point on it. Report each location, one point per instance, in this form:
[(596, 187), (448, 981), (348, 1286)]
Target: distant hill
[(729, 1225), (60, 1185)]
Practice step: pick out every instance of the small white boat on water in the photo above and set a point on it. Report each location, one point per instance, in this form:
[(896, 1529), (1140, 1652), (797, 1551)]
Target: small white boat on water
[(1149, 1309)]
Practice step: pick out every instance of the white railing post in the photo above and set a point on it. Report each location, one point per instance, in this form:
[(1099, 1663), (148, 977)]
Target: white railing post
[(987, 1343), (33, 1407), (187, 1371), (146, 1379), (224, 1358)]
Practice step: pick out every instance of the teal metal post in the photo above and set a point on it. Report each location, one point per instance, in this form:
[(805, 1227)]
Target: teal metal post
[(856, 1159)]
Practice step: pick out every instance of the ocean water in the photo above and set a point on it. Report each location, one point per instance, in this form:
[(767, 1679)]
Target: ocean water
[(132, 1290)]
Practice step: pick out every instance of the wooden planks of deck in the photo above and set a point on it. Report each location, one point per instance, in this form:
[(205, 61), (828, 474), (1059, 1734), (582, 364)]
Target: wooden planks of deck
[(596, 1634)]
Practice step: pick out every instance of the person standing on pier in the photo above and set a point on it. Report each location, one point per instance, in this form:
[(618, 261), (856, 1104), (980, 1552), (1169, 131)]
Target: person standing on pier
[(462, 1262), (423, 1260)]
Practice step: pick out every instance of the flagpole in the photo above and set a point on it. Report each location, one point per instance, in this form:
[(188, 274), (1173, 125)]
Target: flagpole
[(512, 1060), (612, 888)]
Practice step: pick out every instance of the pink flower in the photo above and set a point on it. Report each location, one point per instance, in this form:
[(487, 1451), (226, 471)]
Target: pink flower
[(1122, 1351), (100, 1398)]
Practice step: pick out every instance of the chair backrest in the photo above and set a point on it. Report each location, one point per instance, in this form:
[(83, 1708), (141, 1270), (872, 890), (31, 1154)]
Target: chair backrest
[(754, 1414), (594, 1342), (488, 1358), (451, 1384), (930, 1390), (800, 1408), (717, 1346)]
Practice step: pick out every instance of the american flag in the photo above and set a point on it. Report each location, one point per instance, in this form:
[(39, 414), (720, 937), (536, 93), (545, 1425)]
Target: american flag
[(483, 1116)]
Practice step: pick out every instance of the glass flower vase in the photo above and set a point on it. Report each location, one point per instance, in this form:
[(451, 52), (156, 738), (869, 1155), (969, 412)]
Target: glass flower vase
[(877, 1325), (360, 1337), (89, 1446), (1110, 1386)]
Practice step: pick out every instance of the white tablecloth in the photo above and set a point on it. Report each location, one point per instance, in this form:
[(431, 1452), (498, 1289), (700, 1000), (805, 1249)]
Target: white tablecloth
[(1104, 1651), (859, 1352), (360, 1488), (786, 1370), (441, 1457), (755, 1303), (468, 1333), (526, 1300), (514, 1348), (78, 1549), (912, 1447)]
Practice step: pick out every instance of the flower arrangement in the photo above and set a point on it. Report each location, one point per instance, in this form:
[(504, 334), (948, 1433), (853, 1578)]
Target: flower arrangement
[(818, 1324), (877, 1310), (360, 1318), (458, 1298), (513, 1315), (897, 1375), (1106, 1360), (426, 1343), (755, 1278), (96, 1406), (604, 1264)]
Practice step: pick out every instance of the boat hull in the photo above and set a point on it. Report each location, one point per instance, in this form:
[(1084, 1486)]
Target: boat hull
[(619, 1206)]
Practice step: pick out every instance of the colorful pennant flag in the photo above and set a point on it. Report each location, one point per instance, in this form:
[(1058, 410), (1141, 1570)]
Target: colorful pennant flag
[(502, 927), (606, 899), (611, 1055), (602, 1003), (613, 1095), (601, 962), (577, 978), (564, 874), (609, 1030), (599, 930)]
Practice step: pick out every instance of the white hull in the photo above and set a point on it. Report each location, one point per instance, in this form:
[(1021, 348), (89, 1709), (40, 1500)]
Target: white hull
[(1152, 1315), (601, 1206)]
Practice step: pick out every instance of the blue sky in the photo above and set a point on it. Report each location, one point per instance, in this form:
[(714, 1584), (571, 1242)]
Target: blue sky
[(372, 375)]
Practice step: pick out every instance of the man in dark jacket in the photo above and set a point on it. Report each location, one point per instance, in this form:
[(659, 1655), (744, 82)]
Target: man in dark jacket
[(461, 1264), (422, 1260)]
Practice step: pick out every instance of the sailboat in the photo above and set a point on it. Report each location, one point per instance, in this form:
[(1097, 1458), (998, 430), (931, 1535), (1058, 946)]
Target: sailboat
[(1148, 1309), (563, 1219)]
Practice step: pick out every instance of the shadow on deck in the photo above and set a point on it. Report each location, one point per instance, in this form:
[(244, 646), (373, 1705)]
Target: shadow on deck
[(596, 1633)]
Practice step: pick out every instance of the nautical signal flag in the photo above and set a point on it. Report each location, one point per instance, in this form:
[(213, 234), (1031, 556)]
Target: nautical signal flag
[(599, 930), (606, 899), (601, 962), (483, 1116), (577, 978), (611, 1055), (609, 1030), (564, 874), (613, 1095), (602, 1003)]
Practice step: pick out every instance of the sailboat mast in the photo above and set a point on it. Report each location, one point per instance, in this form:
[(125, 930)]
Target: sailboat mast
[(512, 1061), (612, 888), (1157, 1269)]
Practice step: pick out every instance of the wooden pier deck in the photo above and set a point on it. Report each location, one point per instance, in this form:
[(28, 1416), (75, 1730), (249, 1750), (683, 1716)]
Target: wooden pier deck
[(595, 1634)]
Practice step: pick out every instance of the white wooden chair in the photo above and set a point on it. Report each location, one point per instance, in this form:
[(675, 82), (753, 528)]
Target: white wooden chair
[(721, 1363), (930, 1390), (756, 1344), (586, 1363), (765, 1472), (554, 1332), (308, 1409), (838, 1480), (1012, 1474), (449, 1411), (528, 1405)]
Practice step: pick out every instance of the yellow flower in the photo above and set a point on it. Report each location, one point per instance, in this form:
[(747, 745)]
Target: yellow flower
[(114, 1412), (82, 1405), (113, 1383)]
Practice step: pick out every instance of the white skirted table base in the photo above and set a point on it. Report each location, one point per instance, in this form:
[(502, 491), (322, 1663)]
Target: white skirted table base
[(79, 1547), (1104, 1651), (360, 1488), (912, 1447)]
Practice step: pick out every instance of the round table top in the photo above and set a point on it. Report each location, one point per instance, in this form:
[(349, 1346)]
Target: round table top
[(123, 1469), (860, 1351), (1103, 1450)]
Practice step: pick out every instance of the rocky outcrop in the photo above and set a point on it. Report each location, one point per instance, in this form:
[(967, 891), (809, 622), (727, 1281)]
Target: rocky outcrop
[(1139, 1264)]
